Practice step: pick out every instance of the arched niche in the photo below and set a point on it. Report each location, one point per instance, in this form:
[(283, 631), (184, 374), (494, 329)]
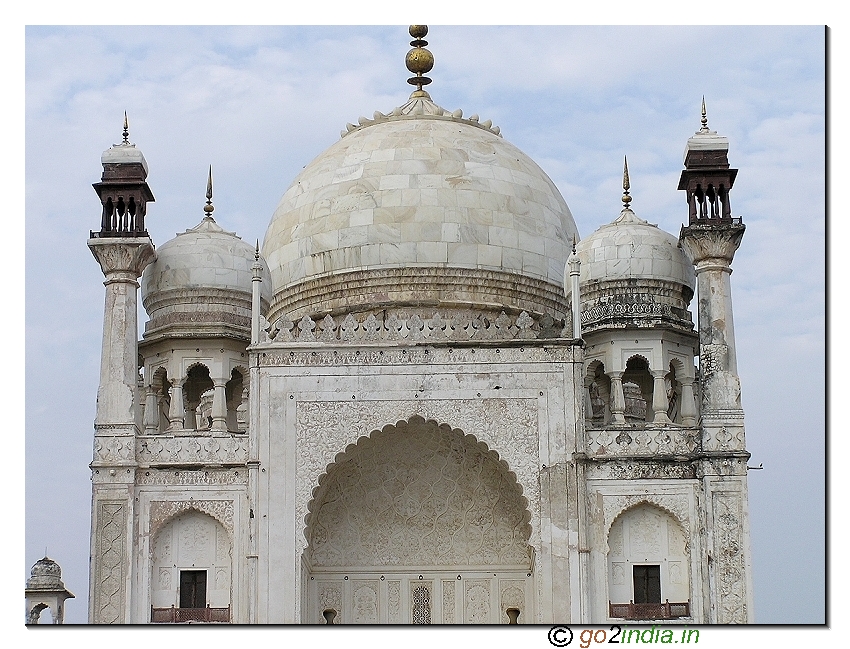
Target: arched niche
[(191, 550), (415, 516), (648, 557)]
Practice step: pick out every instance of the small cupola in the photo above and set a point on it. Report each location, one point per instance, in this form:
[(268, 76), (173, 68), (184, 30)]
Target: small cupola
[(123, 190)]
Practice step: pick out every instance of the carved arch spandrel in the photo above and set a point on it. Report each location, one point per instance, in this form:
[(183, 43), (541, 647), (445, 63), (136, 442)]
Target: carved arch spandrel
[(674, 504), (508, 426), (164, 511)]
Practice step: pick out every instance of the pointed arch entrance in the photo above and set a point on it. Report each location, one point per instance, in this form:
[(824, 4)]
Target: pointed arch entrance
[(418, 523)]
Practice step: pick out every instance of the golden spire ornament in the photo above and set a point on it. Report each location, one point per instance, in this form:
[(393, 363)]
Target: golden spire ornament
[(208, 208), (419, 60), (626, 198), (126, 134)]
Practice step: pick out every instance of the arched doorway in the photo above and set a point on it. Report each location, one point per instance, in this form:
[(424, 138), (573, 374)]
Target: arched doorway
[(191, 570), (418, 523)]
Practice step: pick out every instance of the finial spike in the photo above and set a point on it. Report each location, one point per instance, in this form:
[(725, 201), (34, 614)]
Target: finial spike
[(704, 118), (208, 208), (626, 198), (257, 251), (126, 133)]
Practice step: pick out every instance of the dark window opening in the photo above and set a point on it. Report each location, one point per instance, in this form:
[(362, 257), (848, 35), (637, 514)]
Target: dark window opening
[(513, 615), (647, 580), (329, 614), (193, 589)]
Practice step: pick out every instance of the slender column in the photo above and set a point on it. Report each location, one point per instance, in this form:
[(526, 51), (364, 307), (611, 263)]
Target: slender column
[(256, 283), (176, 411), (659, 398), (688, 407), (151, 411), (574, 265), (618, 400), (242, 410), (219, 407)]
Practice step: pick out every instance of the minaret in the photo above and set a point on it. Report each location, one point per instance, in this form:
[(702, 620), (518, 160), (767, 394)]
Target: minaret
[(123, 249), (711, 238)]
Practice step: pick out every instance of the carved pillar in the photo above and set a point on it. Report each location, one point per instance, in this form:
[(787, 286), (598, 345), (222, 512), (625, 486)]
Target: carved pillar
[(712, 247), (659, 398), (219, 407), (151, 420), (618, 399), (176, 410), (689, 407), (122, 262)]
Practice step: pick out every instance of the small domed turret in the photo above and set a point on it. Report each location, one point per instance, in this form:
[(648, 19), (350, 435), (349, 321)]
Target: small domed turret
[(201, 283)]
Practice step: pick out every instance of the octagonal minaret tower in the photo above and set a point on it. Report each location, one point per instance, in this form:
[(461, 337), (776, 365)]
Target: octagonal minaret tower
[(711, 238), (123, 249)]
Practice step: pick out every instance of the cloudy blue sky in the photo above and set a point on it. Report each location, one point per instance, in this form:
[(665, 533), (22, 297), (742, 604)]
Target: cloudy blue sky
[(259, 103)]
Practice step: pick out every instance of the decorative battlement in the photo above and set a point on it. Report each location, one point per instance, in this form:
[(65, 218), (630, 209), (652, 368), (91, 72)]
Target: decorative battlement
[(414, 328)]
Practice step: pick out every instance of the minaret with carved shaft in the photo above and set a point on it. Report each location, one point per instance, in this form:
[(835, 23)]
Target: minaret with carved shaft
[(711, 238), (123, 249)]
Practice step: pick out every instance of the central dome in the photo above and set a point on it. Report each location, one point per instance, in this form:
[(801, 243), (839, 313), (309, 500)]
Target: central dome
[(420, 206)]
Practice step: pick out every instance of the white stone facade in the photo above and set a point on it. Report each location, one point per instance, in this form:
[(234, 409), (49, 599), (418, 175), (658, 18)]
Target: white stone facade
[(388, 417)]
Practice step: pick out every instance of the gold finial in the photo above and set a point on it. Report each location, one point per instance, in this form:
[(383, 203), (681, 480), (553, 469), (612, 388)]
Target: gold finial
[(419, 60), (626, 198), (257, 251), (126, 129), (575, 242), (703, 119), (208, 208)]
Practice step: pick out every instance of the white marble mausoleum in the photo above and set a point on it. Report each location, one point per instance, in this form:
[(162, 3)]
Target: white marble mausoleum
[(424, 399)]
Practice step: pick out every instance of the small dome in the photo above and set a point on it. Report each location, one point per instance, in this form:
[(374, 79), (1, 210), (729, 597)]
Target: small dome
[(45, 575), (419, 188), (632, 248), (202, 278), (634, 275)]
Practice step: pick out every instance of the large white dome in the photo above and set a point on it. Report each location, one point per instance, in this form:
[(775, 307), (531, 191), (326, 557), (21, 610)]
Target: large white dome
[(418, 188)]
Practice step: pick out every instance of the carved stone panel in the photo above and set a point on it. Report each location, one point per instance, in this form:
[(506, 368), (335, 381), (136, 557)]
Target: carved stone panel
[(448, 601), (729, 559), (110, 560), (192, 449), (477, 601), (364, 602)]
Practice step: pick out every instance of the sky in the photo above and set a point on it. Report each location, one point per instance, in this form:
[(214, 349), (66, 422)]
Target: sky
[(259, 103)]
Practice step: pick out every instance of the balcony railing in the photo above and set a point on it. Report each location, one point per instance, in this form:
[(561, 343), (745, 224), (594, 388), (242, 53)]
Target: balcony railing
[(174, 615), (660, 611)]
